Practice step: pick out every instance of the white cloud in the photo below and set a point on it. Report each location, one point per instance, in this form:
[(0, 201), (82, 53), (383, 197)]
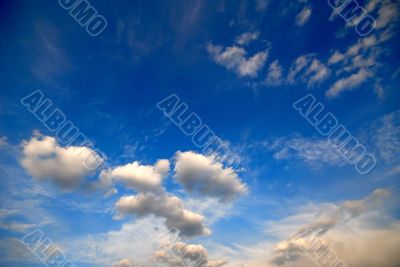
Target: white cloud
[(297, 66), (384, 136), (247, 37), (275, 74), (335, 58), (187, 255), (361, 49), (317, 72), (204, 175), (293, 249), (355, 228), (164, 206), (348, 83), (235, 59), (387, 13), (312, 151), (15, 226), (308, 69), (303, 16), (138, 177), (357, 64), (131, 243), (46, 160)]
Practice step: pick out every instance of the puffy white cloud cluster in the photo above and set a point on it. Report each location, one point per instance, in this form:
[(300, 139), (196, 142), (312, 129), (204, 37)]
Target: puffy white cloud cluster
[(195, 172), (165, 206), (202, 174), (46, 160), (137, 176)]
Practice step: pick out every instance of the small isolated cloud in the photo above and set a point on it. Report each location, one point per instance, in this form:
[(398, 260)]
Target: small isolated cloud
[(275, 74), (204, 175), (235, 59), (138, 177), (45, 160), (247, 37), (165, 206), (303, 16)]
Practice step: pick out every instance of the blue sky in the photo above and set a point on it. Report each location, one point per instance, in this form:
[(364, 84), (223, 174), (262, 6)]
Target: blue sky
[(238, 65)]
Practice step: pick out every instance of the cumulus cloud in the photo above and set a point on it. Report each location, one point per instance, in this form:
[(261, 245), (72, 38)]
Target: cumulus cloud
[(181, 254), (206, 176), (288, 251), (247, 37), (46, 160), (165, 206), (137, 176), (303, 16), (235, 59)]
